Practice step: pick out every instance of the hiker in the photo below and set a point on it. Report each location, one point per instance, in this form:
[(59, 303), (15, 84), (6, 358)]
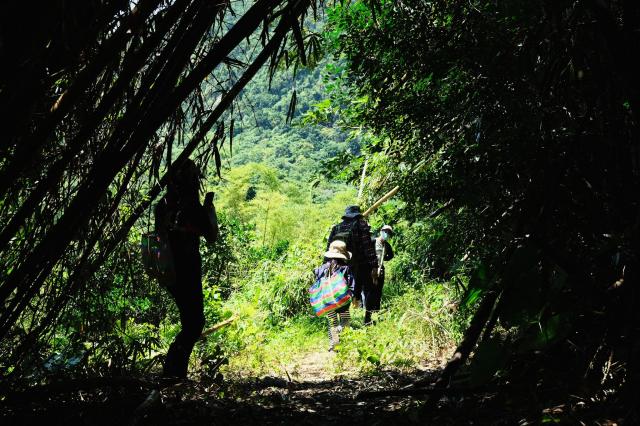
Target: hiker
[(384, 253), (356, 233), (183, 220), (335, 261)]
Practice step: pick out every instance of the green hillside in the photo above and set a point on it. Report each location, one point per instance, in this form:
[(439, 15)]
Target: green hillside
[(262, 135)]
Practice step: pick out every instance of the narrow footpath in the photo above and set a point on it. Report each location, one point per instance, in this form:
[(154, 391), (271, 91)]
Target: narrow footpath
[(306, 394)]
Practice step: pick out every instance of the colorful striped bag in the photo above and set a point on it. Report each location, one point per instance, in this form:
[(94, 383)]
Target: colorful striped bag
[(329, 293)]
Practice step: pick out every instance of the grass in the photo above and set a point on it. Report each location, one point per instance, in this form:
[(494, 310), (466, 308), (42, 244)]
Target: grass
[(414, 330), (259, 349)]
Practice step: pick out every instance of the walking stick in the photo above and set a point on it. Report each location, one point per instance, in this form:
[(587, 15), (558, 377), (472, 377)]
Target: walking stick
[(218, 326), (384, 249)]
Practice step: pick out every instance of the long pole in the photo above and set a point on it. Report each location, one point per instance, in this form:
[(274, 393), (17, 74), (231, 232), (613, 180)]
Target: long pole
[(378, 203), (364, 173)]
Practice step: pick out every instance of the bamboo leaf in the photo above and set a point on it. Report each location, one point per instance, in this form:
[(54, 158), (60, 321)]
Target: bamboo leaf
[(297, 35), (292, 108), (231, 137), (216, 154)]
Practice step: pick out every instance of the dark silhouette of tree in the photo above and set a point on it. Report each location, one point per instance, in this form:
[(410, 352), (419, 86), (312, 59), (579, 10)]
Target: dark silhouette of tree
[(518, 123), (95, 95)]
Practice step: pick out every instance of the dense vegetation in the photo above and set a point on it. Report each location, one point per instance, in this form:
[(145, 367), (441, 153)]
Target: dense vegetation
[(263, 135), (516, 123), (102, 97), (275, 211)]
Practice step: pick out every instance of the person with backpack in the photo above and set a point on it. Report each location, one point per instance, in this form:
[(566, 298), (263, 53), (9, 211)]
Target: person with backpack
[(384, 253), (335, 263), (356, 233), (182, 220)]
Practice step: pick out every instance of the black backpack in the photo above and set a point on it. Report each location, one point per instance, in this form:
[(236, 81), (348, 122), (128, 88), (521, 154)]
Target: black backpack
[(344, 232)]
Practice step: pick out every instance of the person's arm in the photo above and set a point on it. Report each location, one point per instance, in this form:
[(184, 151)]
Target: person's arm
[(157, 214), (316, 273), (160, 217), (201, 219), (210, 229), (320, 271), (351, 282)]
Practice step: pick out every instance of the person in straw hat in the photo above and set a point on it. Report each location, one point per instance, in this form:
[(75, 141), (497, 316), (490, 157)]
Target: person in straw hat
[(335, 260)]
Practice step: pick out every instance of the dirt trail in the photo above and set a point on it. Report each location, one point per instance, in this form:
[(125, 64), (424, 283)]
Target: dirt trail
[(308, 393), (314, 367)]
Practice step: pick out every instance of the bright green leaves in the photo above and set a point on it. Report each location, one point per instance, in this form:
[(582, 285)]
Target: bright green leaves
[(472, 297), (369, 356), (478, 284)]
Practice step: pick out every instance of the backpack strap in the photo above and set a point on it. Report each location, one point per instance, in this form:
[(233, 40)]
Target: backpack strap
[(352, 240)]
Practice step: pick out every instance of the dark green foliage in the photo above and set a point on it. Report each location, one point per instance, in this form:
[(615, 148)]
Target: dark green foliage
[(524, 114), (115, 326), (265, 133)]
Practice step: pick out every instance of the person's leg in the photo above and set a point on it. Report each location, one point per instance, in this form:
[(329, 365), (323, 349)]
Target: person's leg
[(357, 291), (368, 290), (188, 297), (345, 319), (372, 298), (190, 306), (332, 320)]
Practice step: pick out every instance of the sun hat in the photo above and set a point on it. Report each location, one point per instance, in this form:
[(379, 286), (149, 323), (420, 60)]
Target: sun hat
[(338, 250), (387, 228), (351, 211)]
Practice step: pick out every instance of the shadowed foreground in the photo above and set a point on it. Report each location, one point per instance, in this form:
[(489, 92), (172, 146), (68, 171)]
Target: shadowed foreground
[(273, 400)]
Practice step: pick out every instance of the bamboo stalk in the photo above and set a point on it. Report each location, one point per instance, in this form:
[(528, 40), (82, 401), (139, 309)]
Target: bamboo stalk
[(464, 349), (364, 174), (47, 251), (218, 326), (381, 201)]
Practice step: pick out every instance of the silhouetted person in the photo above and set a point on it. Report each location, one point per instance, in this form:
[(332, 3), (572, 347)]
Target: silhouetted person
[(183, 220)]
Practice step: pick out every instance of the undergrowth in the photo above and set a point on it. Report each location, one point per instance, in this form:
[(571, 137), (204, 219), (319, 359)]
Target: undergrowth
[(411, 331), (415, 328)]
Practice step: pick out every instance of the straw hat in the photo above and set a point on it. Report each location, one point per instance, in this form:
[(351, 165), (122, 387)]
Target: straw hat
[(338, 250)]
